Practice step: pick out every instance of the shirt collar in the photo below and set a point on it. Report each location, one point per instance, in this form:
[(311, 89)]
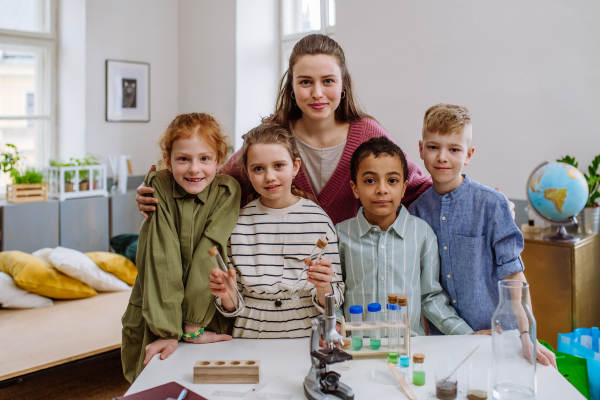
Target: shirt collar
[(456, 192), (179, 192), (399, 224)]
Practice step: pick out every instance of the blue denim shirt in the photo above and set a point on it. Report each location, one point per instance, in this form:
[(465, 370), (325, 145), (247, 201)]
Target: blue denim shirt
[(479, 244)]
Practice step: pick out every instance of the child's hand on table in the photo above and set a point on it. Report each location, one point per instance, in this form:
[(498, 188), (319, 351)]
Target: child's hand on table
[(217, 287), (207, 336), (163, 346)]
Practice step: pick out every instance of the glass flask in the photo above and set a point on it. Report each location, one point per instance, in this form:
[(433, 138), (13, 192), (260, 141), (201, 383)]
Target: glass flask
[(513, 343)]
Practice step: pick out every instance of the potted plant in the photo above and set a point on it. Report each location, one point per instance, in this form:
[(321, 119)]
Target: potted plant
[(69, 175), (589, 217), (84, 175), (27, 186)]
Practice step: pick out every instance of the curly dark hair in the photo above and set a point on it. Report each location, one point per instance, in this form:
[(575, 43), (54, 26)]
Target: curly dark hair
[(377, 146)]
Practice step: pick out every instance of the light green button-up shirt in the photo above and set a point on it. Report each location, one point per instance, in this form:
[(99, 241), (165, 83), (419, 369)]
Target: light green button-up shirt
[(403, 260)]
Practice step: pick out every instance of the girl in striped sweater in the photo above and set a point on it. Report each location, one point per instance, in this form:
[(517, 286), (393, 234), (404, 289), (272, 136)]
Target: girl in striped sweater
[(274, 235)]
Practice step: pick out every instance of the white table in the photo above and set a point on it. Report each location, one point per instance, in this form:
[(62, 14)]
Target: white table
[(285, 363)]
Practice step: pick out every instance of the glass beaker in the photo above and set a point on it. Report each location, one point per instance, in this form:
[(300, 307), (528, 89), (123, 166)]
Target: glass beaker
[(446, 381), (513, 343)]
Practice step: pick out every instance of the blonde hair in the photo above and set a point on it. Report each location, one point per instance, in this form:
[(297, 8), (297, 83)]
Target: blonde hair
[(271, 133), (185, 126), (445, 119), (286, 109)]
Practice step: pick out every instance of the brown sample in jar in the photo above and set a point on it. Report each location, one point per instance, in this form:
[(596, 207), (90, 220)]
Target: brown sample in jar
[(346, 344), (446, 391), (477, 395)]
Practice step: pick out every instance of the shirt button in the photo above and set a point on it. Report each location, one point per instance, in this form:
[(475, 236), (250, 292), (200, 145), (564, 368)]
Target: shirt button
[(449, 276), (445, 248), (382, 246), (443, 218), (383, 278), (454, 301)]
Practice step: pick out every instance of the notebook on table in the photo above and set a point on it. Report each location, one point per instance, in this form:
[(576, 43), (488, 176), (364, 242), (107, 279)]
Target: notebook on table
[(162, 392)]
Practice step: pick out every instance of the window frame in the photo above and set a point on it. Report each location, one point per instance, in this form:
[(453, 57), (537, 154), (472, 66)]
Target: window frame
[(45, 45), (287, 42)]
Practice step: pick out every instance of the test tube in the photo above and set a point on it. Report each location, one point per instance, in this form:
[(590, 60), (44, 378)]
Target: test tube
[(356, 320), (374, 310), (402, 315), (315, 255), (230, 284), (393, 342)]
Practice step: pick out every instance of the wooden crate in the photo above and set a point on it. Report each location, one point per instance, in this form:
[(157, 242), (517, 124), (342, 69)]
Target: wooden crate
[(27, 192), (242, 371)]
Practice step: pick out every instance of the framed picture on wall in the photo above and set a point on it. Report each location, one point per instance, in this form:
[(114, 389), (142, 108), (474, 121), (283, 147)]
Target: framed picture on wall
[(127, 91)]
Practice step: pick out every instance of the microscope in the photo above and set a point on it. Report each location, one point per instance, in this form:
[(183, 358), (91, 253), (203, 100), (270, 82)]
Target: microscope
[(320, 383)]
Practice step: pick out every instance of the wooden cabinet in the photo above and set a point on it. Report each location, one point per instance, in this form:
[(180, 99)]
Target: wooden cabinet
[(564, 281)]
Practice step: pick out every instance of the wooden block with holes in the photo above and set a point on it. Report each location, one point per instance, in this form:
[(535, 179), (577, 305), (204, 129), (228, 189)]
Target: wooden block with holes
[(236, 371)]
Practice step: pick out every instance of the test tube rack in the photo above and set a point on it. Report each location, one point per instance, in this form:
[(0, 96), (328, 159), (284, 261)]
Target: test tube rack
[(366, 351)]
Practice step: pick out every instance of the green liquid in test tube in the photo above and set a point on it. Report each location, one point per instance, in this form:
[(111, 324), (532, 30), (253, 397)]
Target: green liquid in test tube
[(356, 320)]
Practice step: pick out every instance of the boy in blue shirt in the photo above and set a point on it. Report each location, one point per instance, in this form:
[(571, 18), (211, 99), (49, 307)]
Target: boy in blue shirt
[(384, 249), (479, 243)]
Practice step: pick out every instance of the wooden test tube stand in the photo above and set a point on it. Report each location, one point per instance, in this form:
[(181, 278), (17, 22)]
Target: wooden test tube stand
[(366, 351)]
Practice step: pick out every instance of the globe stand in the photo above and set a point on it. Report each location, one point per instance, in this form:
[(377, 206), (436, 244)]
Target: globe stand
[(561, 235)]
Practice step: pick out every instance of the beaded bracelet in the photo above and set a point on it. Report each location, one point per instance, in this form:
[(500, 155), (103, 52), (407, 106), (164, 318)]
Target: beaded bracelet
[(190, 337)]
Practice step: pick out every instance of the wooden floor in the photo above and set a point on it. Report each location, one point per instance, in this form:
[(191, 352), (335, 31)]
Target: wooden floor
[(96, 378)]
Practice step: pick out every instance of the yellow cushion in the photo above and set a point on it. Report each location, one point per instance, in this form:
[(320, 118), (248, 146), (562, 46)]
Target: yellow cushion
[(37, 276), (116, 264)]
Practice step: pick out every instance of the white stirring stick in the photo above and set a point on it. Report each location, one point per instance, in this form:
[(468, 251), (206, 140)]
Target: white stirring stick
[(456, 369)]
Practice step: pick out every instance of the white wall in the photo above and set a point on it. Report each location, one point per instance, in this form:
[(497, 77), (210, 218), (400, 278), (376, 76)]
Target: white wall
[(132, 30), (527, 71), (206, 41), (257, 63)]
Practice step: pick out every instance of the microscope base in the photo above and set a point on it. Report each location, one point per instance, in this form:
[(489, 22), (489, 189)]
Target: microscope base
[(313, 392)]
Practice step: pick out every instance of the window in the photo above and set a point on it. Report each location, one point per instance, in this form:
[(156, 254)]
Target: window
[(27, 79), (303, 17)]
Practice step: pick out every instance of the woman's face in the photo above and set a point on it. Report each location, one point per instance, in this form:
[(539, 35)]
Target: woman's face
[(317, 85)]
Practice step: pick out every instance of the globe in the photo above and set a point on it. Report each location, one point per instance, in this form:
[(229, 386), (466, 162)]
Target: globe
[(558, 191)]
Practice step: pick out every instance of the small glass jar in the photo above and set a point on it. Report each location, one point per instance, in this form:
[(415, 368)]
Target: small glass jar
[(373, 318), (418, 369), (356, 320)]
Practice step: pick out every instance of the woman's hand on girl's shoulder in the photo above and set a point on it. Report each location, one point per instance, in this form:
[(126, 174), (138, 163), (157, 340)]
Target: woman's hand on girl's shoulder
[(206, 337), (145, 203)]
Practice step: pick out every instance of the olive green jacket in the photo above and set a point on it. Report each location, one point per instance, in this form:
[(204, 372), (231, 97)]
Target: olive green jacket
[(173, 264)]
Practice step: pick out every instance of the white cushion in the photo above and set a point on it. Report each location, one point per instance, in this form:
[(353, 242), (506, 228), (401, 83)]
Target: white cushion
[(43, 254), (12, 296), (79, 266)]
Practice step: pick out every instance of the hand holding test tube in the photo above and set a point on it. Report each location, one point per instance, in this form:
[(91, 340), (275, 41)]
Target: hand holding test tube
[(315, 255), (228, 281)]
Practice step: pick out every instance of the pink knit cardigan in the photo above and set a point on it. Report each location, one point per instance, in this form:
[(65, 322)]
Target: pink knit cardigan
[(337, 198)]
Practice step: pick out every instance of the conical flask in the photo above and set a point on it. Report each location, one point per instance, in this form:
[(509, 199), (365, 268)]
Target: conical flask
[(513, 343)]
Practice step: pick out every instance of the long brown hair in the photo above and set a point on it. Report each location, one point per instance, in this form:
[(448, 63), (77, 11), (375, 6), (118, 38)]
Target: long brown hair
[(286, 109), (271, 133)]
